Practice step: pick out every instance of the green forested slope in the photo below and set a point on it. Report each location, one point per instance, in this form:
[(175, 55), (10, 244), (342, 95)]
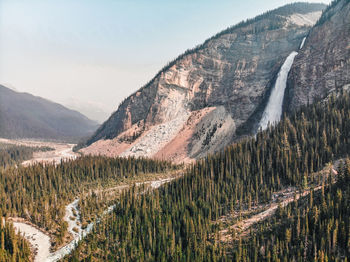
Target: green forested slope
[(39, 193), (175, 223), (315, 228)]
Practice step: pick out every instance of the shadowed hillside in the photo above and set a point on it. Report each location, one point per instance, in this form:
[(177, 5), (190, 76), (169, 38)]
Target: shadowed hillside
[(26, 116)]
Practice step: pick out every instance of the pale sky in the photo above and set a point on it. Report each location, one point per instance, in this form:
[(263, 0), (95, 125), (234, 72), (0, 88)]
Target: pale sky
[(94, 53)]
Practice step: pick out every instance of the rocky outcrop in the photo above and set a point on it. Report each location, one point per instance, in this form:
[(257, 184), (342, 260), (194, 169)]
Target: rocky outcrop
[(209, 96), (323, 64)]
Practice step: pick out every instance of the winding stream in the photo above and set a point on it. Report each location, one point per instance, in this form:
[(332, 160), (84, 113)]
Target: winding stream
[(41, 241)]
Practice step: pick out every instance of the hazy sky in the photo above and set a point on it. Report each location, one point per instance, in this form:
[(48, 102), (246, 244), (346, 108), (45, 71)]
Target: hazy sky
[(97, 52)]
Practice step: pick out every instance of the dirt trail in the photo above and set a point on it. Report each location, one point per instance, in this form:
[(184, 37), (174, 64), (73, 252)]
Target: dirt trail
[(242, 227), (281, 198)]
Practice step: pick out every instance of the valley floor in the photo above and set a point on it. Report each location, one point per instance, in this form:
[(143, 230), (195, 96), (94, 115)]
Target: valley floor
[(41, 241), (61, 151)]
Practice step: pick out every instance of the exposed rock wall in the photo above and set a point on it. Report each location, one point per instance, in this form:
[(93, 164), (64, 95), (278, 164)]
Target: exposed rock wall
[(231, 74), (323, 65)]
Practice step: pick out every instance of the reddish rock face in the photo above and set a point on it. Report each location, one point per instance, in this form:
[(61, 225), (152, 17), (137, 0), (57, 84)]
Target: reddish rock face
[(210, 96)]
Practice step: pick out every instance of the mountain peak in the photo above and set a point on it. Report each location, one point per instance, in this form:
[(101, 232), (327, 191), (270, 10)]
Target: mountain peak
[(203, 100)]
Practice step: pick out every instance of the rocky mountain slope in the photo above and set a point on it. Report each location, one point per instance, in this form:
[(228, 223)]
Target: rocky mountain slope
[(323, 65), (25, 116), (209, 96)]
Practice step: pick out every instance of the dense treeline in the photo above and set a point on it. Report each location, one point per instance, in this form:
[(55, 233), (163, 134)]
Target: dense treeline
[(39, 193), (174, 223), (12, 246), (315, 228), (13, 154)]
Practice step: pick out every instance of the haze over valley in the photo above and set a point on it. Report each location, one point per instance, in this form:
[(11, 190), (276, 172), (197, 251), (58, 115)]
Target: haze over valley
[(174, 131)]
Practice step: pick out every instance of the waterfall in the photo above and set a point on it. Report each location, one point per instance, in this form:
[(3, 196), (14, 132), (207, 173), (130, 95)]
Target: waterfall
[(302, 43), (273, 111)]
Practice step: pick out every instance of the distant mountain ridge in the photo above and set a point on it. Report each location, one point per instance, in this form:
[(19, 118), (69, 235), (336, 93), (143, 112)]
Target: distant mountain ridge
[(23, 115), (209, 96)]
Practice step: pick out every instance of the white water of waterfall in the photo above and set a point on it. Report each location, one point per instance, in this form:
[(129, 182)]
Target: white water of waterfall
[(302, 43), (273, 111)]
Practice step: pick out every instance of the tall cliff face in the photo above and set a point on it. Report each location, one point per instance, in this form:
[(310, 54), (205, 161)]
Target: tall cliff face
[(323, 65), (209, 96)]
